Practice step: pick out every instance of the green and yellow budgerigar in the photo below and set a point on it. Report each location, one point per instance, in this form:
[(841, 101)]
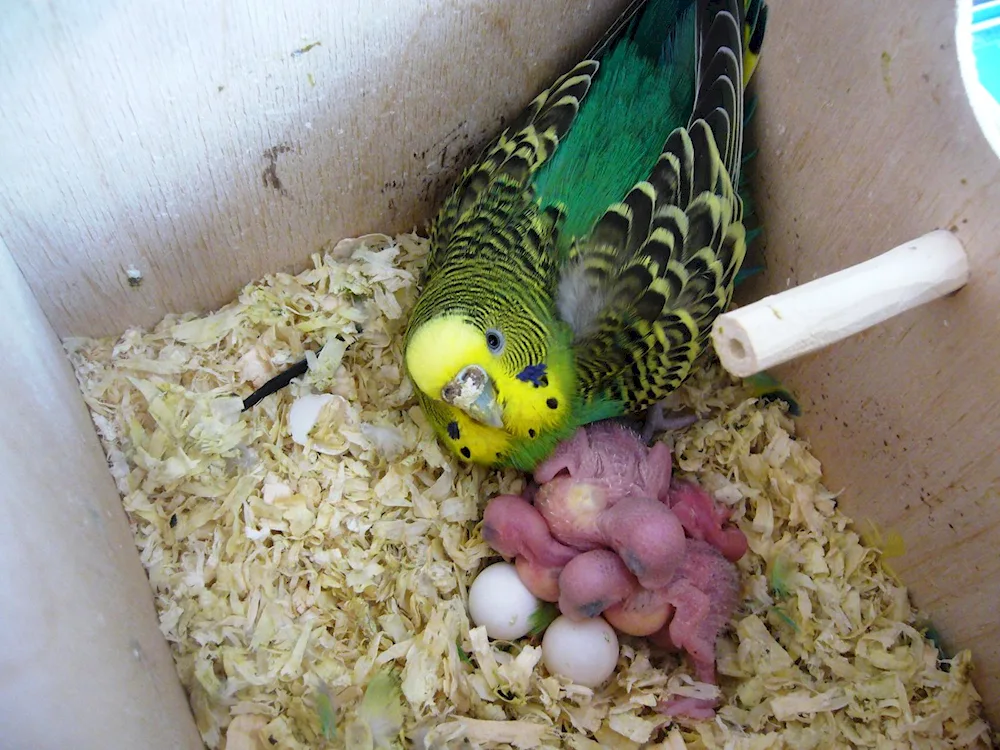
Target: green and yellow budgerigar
[(576, 269)]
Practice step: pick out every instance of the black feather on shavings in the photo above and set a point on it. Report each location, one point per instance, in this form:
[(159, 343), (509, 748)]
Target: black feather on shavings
[(275, 384)]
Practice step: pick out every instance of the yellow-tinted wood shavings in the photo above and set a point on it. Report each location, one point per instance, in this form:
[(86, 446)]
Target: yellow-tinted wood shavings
[(289, 578)]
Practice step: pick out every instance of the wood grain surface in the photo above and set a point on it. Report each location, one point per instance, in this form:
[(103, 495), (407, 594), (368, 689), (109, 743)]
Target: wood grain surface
[(867, 140), (204, 145), (83, 662)]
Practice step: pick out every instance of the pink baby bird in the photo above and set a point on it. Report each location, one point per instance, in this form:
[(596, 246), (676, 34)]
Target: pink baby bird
[(610, 532)]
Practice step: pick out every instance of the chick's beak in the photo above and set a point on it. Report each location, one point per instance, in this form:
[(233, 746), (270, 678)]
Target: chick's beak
[(473, 391)]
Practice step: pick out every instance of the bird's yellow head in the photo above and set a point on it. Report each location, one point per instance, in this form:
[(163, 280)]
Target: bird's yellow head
[(491, 386)]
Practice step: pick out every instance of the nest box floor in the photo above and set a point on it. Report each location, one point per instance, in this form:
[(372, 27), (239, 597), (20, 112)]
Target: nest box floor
[(287, 576)]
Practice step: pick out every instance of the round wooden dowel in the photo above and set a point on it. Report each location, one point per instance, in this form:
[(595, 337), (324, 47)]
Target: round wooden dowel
[(809, 317)]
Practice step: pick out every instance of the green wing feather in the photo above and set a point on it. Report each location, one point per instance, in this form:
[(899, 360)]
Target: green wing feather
[(643, 289), (644, 89)]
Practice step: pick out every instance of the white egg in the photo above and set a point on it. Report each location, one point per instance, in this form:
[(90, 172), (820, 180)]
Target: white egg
[(303, 414), (502, 604), (584, 651)]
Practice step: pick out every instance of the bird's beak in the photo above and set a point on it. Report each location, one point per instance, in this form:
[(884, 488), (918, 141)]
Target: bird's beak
[(473, 392)]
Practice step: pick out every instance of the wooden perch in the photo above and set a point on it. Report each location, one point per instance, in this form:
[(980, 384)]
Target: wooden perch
[(806, 318)]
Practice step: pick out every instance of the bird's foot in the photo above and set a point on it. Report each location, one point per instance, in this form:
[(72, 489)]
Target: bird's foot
[(658, 419)]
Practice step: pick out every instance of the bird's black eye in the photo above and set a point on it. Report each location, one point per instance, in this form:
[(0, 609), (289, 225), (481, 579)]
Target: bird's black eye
[(494, 341)]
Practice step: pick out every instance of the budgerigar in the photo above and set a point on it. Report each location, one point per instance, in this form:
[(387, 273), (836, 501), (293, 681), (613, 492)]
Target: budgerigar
[(576, 269)]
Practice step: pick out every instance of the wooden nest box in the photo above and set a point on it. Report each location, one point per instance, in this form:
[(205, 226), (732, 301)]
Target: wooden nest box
[(158, 157)]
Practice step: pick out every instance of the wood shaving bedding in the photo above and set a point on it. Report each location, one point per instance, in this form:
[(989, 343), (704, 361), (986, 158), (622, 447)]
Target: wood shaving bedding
[(313, 595)]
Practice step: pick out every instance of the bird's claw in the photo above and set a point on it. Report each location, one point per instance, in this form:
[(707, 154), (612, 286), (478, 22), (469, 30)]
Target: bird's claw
[(659, 420)]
